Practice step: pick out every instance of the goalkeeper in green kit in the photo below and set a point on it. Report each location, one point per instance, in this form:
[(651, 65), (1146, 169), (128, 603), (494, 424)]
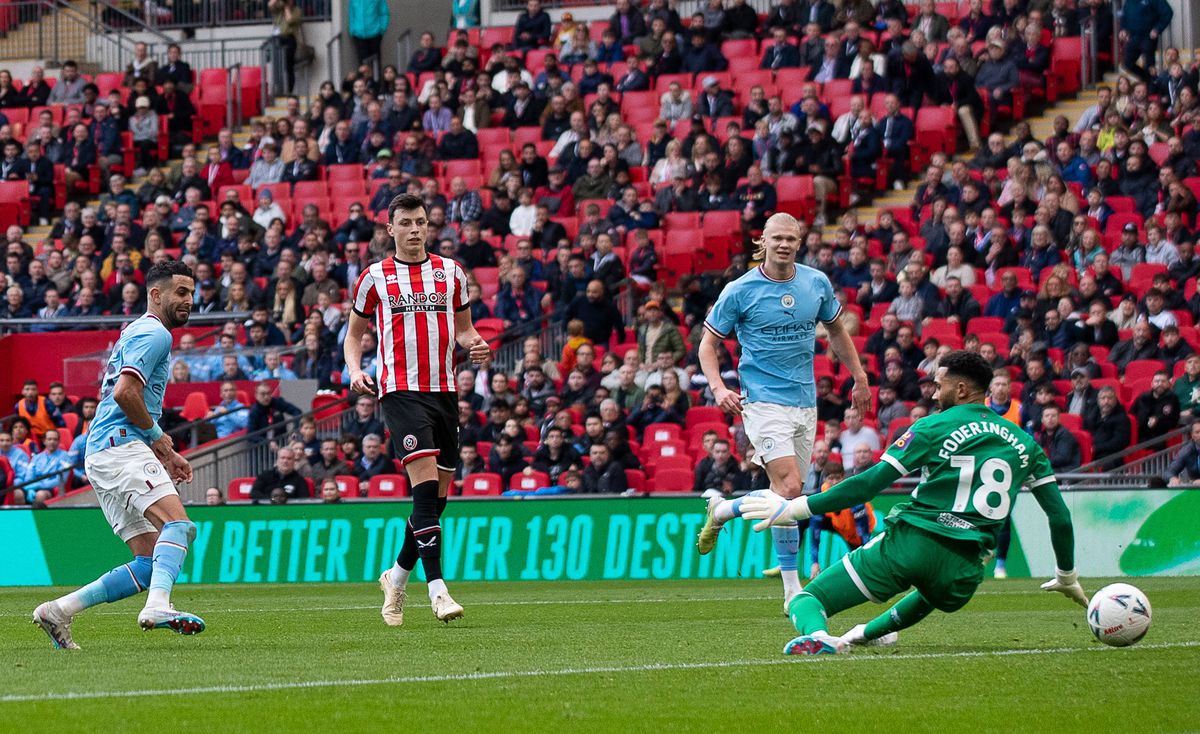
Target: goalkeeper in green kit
[(973, 464)]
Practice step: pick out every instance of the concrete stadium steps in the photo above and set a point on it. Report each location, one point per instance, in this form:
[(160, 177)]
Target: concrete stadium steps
[(72, 35)]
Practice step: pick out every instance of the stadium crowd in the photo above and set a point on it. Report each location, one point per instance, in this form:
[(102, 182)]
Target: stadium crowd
[(557, 161)]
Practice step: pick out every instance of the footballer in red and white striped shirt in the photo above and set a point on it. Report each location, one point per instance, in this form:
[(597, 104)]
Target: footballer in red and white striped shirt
[(419, 305), (414, 307)]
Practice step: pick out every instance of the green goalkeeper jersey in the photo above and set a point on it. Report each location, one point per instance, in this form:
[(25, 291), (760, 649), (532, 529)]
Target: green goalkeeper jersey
[(973, 463)]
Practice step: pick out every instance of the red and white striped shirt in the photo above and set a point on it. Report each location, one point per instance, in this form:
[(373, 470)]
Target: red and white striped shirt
[(414, 306)]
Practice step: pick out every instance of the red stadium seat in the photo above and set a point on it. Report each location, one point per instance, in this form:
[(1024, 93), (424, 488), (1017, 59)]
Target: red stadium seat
[(482, 485), (347, 485), (195, 407), (388, 485), (674, 480), (661, 432), (1142, 369), (635, 479), (239, 489), (529, 480)]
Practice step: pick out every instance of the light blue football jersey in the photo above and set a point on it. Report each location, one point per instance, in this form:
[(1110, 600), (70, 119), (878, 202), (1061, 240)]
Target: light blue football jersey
[(144, 351), (776, 324)]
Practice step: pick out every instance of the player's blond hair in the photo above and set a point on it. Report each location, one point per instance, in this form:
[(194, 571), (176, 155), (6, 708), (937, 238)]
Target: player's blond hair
[(779, 219)]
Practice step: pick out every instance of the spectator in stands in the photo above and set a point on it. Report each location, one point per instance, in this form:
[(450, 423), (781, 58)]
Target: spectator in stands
[(274, 369), (373, 461), (857, 432), (1187, 387), (518, 303), (889, 409), (1061, 447), (268, 169), (143, 126), (1185, 467), (268, 411), (69, 89), (1083, 400), (1156, 410), (47, 471), (599, 314), (507, 458), (1109, 426), (627, 22), (555, 456), (603, 476), (1141, 346), (363, 421), (175, 69), (214, 497), (41, 414), (464, 206), (1141, 23), (229, 415), (469, 462), (141, 66), (281, 477), (16, 457)]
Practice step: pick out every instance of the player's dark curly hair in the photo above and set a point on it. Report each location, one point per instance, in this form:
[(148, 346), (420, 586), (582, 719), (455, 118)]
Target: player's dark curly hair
[(969, 366), (167, 270), (404, 203)]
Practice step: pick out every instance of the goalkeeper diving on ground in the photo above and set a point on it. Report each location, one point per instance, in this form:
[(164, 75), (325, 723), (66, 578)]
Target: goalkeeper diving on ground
[(973, 464)]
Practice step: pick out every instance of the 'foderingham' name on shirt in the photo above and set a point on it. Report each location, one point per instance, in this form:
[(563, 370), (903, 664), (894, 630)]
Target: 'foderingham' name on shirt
[(974, 428)]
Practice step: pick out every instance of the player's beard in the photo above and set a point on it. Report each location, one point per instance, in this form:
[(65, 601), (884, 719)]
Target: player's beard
[(171, 318)]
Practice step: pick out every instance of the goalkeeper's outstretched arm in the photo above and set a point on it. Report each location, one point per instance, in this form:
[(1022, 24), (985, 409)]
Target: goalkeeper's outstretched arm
[(853, 491), (1062, 540), (1062, 532)]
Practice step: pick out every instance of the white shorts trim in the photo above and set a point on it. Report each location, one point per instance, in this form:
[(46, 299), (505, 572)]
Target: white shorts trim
[(777, 431), (858, 582), (128, 479)]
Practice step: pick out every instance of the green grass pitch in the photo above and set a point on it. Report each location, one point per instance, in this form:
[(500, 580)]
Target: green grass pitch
[(614, 656)]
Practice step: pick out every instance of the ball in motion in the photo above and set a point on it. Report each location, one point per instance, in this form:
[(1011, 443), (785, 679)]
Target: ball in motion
[(1119, 615)]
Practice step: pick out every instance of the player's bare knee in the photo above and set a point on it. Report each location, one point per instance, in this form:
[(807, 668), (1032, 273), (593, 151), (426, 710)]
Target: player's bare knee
[(789, 486)]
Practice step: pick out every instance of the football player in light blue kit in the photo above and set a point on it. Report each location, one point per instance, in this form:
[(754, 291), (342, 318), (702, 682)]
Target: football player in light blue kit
[(132, 466), (774, 310)]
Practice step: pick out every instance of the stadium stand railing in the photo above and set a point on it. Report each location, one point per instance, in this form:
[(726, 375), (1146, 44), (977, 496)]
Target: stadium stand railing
[(191, 15), (75, 323)]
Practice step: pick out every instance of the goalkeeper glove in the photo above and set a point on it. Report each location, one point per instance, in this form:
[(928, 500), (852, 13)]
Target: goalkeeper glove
[(1067, 584), (771, 509)]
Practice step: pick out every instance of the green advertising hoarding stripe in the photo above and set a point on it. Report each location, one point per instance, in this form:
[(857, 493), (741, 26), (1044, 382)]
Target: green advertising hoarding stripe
[(25, 564), (531, 540)]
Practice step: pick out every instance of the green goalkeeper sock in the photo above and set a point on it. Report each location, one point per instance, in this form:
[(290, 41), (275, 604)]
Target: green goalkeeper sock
[(906, 612), (807, 614)]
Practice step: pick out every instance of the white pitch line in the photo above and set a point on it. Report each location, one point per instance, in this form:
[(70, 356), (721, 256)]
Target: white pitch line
[(518, 674), (517, 603)]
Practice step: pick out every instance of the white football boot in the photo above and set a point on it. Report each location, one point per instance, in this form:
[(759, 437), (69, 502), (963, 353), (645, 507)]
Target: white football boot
[(56, 624), (445, 608), (857, 636), (393, 600)]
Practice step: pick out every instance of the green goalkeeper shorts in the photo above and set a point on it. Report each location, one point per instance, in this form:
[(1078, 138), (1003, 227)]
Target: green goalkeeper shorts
[(944, 570)]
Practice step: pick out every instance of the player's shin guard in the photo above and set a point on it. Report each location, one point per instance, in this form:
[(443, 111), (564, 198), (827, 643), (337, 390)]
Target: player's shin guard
[(427, 531), (906, 612), (120, 583), (830, 593), (169, 552), (787, 549), (807, 614)]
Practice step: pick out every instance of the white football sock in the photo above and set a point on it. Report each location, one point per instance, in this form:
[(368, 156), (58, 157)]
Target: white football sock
[(436, 588), (791, 583), (724, 512), (399, 576)]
